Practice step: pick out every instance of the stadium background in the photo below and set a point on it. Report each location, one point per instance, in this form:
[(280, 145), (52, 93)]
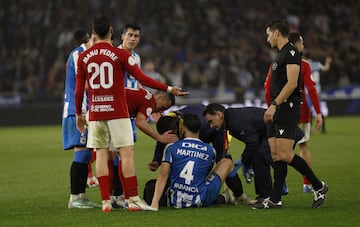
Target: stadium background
[(216, 49)]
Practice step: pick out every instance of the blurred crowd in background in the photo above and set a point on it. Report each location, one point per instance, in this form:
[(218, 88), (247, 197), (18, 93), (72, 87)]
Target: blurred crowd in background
[(200, 45)]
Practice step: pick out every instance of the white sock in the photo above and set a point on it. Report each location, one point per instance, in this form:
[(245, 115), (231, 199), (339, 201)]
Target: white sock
[(73, 197)]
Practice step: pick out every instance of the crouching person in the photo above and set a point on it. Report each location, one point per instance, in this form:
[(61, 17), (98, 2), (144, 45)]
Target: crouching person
[(188, 162)]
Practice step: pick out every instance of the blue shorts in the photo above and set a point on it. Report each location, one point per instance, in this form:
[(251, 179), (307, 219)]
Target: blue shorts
[(213, 185), (71, 135)]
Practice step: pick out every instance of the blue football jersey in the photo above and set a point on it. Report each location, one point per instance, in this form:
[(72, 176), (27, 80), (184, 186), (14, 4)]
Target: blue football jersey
[(191, 161), (70, 83)]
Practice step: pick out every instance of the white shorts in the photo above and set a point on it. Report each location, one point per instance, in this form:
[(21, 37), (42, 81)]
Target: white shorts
[(117, 131), (306, 127)]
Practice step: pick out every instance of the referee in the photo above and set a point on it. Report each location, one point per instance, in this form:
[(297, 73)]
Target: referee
[(283, 114)]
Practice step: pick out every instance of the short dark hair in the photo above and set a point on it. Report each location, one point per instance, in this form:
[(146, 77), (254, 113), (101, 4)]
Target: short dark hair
[(168, 96), (294, 37), (171, 98), (280, 25), (192, 122), (81, 36), (133, 26), (166, 123), (212, 108), (101, 26)]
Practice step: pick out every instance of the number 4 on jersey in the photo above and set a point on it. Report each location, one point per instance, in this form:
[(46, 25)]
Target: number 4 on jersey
[(187, 172)]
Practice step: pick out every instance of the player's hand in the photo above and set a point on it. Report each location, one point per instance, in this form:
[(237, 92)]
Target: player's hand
[(318, 122), (153, 166), (177, 91), (269, 114), (168, 137), (328, 59), (80, 123)]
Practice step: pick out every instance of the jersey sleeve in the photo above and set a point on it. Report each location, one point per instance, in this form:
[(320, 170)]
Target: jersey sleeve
[(132, 68), (79, 88), (148, 106), (310, 86), (267, 86), (293, 57), (167, 156)]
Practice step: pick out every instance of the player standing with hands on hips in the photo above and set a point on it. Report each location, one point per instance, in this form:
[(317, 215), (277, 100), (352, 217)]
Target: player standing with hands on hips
[(283, 114), (103, 67)]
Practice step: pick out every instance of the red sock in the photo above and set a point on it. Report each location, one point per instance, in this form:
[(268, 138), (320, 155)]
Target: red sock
[(306, 181), (111, 175), (131, 185), (93, 157), (121, 176), (104, 187)]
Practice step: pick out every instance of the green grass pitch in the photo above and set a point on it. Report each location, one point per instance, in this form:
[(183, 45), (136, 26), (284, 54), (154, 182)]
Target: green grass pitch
[(34, 185)]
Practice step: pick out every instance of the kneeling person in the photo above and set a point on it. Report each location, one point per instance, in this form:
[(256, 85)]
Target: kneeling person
[(188, 162)]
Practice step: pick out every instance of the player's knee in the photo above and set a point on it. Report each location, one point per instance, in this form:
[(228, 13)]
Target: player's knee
[(82, 156), (228, 164)]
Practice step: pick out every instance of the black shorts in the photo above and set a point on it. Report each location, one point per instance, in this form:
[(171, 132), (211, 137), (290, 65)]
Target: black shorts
[(285, 122)]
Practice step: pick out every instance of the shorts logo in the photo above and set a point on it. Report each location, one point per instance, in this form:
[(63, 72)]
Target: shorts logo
[(291, 104), (281, 131), (292, 52)]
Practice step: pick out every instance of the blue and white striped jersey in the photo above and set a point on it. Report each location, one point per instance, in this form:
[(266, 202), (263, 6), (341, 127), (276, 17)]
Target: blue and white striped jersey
[(191, 161)]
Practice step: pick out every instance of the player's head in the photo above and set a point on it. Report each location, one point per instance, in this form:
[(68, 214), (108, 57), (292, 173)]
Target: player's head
[(296, 39), (81, 36), (214, 114), (102, 27), (173, 121), (164, 100), (130, 36), (276, 30), (192, 123)]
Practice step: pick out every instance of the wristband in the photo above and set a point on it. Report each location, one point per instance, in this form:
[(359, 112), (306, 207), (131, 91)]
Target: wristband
[(274, 103), (169, 89)]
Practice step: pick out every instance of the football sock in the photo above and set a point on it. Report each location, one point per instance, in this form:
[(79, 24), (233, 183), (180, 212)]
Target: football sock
[(220, 200), (93, 158), (122, 180), (301, 166), (90, 173), (131, 186), (234, 183), (306, 181), (73, 198), (105, 187), (78, 177), (111, 175), (117, 187), (280, 172)]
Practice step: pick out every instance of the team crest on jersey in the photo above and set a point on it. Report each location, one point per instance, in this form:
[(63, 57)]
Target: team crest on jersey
[(274, 66), (292, 52), (131, 61), (149, 111), (312, 78)]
